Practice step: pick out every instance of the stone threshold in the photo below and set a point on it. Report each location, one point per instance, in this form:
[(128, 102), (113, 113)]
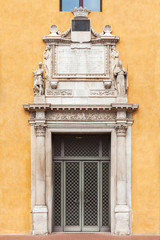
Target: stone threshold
[(79, 236)]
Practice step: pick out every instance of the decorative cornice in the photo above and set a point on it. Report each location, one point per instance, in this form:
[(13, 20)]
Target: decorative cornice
[(40, 130), (121, 130), (128, 107), (31, 107)]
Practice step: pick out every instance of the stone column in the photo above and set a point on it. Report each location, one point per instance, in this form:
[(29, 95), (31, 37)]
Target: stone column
[(122, 217), (39, 212)]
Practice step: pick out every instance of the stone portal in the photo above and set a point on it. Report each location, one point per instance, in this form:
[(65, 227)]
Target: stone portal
[(80, 89)]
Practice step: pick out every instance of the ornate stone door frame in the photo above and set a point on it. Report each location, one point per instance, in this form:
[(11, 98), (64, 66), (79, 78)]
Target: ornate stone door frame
[(82, 88), (49, 181), (43, 125)]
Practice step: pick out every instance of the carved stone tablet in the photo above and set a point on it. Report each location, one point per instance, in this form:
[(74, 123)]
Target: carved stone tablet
[(80, 61)]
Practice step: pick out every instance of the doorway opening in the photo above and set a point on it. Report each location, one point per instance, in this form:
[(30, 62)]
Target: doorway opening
[(81, 182)]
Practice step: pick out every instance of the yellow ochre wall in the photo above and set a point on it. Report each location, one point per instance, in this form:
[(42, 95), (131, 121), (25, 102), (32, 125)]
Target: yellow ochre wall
[(22, 24)]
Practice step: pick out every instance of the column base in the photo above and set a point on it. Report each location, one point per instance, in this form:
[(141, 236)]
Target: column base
[(122, 220), (39, 220)]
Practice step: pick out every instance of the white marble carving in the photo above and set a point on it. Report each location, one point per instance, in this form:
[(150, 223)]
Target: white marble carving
[(54, 31), (95, 34), (47, 62), (39, 211), (81, 116), (81, 45), (40, 115), (107, 83), (53, 84), (102, 93), (64, 34), (114, 57), (120, 74), (38, 76), (60, 92), (122, 212), (80, 12), (40, 130), (80, 61), (85, 92), (39, 219), (107, 30)]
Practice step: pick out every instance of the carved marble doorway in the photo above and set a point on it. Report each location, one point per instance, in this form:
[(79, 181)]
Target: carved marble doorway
[(81, 89), (81, 182)]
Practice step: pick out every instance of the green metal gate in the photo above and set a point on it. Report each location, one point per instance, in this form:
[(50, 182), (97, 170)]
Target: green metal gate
[(81, 180)]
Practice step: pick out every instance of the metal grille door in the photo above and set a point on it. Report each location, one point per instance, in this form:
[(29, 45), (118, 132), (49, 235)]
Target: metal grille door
[(105, 194), (57, 194), (81, 183), (90, 196), (72, 196)]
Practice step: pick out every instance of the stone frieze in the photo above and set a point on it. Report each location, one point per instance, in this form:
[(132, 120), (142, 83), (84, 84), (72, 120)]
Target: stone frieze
[(102, 93), (59, 92), (81, 116)]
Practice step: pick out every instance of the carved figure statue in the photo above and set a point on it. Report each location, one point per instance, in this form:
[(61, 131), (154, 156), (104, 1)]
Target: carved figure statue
[(120, 74), (114, 61), (47, 61), (114, 54), (38, 81), (46, 53)]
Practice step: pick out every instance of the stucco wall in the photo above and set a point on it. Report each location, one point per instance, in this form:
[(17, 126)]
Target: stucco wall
[(23, 23)]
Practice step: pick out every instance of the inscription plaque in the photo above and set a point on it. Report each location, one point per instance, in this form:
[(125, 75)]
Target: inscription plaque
[(81, 25), (80, 61)]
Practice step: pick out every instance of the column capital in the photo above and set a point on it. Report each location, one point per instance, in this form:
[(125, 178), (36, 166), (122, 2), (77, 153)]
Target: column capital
[(40, 130), (121, 130)]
